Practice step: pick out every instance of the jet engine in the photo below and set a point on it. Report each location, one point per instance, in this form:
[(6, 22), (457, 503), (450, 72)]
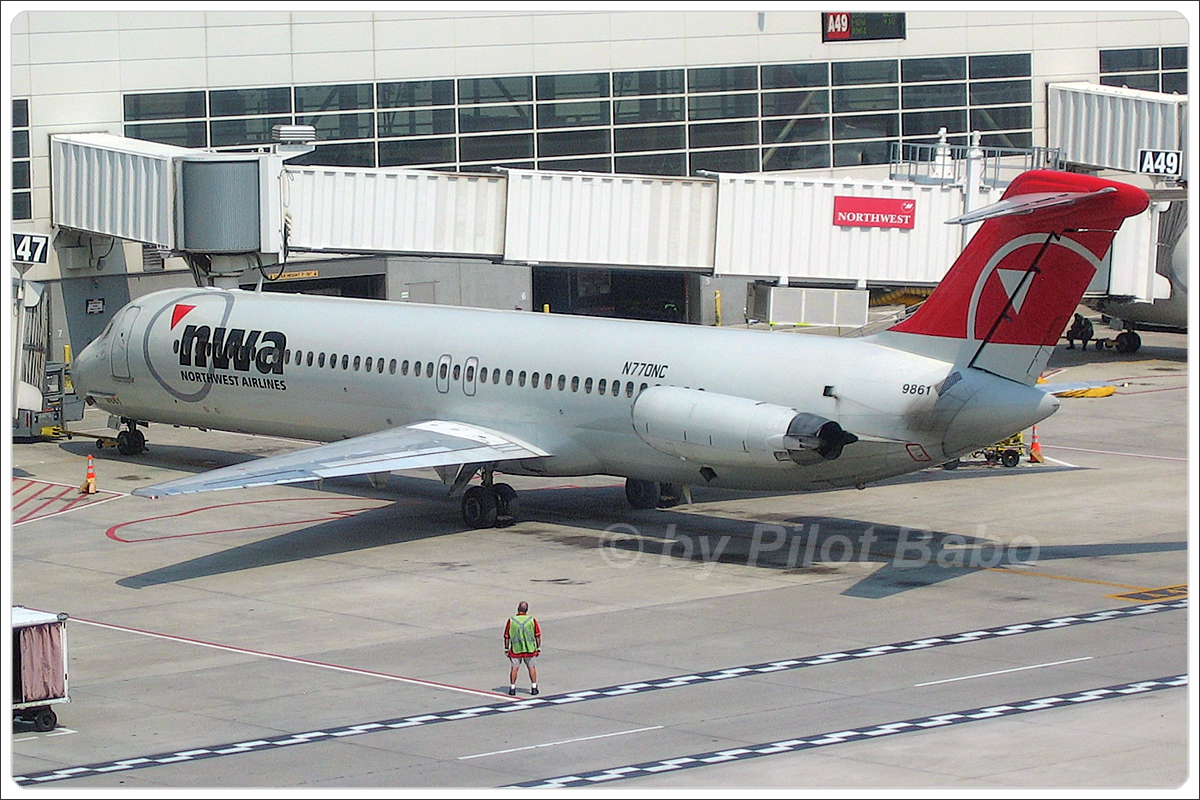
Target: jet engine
[(722, 430)]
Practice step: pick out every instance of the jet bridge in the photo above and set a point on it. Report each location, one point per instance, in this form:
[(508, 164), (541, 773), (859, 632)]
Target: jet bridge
[(231, 212)]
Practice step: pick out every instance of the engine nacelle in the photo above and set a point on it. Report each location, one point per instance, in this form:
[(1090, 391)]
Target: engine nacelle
[(715, 430)]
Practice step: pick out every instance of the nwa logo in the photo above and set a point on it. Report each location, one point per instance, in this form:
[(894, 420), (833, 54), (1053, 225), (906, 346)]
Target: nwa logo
[(228, 348)]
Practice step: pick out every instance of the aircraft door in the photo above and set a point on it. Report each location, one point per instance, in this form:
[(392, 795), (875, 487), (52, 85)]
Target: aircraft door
[(470, 376), (443, 373), (119, 349)]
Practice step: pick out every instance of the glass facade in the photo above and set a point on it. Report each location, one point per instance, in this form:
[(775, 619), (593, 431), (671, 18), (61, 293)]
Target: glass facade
[(661, 121), (1153, 69)]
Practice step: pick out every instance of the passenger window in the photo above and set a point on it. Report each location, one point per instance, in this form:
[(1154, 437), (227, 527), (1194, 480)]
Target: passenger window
[(496, 376), (601, 386), (403, 367), (587, 386), (629, 389), (521, 378), (457, 371), (379, 366), (535, 380), (562, 382), (370, 363), (308, 359), (333, 360), (616, 388), (643, 388), (575, 384), (443, 371), (470, 374), (508, 376), (321, 360), (345, 362), (357, 362)]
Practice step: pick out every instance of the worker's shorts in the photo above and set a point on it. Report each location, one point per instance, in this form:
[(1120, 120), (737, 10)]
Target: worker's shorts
[(529, 660)]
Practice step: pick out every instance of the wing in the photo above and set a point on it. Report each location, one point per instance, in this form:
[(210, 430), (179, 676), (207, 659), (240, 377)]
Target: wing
[(433, 443)]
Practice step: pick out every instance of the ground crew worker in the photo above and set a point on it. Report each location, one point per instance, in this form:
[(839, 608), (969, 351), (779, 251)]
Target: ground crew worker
[(1082, 329), (522, 643)]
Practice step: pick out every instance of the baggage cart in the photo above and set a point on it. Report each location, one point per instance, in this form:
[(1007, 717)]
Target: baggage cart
[(39, 666)]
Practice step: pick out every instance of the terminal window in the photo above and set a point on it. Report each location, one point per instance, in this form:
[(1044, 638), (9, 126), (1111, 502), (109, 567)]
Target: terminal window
[(807, 115)]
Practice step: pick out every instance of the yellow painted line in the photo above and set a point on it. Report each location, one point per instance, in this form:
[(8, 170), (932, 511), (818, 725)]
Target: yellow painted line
[(1068, 578), (1161, 593)]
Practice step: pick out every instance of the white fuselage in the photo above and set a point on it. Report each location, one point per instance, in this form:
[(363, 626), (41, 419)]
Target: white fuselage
[(346, 368)]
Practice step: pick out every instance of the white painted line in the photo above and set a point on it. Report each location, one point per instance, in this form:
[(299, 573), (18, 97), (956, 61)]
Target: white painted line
[(1062, 463), (564, 741), (69, 510), (291, 659), (1003, 671), (1114, 453)]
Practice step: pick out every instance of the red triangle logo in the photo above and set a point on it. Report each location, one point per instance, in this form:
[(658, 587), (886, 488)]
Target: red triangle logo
[(179, 313)]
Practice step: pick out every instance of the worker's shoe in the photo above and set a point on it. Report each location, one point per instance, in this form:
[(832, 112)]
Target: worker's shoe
[(533, 691), (512, 691)]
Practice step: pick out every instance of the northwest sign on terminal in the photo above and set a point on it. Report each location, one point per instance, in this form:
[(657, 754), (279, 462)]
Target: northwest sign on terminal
[(874, 212)]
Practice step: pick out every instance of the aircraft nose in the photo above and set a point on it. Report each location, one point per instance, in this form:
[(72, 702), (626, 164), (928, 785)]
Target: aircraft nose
[(85, 372)]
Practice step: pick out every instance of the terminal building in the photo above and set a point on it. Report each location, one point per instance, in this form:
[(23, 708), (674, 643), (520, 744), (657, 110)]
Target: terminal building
[(668, 164)]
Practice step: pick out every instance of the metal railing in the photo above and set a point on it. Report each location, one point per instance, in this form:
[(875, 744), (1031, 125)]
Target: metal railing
[(944, 163)]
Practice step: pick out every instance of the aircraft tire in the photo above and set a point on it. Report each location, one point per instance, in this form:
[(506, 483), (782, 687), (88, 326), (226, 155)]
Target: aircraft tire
[(139, 441), (1128, 342), (125, 445), (508, 506), (641, 494), (668, 495), (479, 508)]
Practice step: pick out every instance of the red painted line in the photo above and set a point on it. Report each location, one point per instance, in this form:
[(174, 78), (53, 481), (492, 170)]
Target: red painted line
[(33, 496), (43, 505), (1148, 391), (22, 487), (342, 513)]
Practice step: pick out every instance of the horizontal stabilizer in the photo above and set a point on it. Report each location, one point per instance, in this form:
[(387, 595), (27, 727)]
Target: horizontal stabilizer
[(433, 443), (1027, 204)]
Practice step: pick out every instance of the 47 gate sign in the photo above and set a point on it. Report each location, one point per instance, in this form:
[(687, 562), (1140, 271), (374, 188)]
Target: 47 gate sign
[(1160, 162), (31, 248)]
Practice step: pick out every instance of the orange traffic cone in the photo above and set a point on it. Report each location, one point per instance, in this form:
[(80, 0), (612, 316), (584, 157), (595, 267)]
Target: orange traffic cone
[(89, 483), (1035, 449)]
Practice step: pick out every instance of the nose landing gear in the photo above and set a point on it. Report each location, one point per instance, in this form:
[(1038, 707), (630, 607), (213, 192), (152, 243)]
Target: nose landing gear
[(131, 441)]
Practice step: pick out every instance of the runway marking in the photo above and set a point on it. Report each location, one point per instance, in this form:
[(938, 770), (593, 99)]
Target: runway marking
[(1162, 593), (563, 741), (1113, 453), (586, 695), (811, 741), (292, 659), (1004, 671), (62, 503)]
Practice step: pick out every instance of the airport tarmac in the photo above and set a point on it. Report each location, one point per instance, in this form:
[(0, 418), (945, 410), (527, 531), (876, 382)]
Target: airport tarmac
[(981, 628)]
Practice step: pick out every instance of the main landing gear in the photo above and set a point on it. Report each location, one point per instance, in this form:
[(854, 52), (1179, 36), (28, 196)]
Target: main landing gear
[(492, 505), (651, 494)]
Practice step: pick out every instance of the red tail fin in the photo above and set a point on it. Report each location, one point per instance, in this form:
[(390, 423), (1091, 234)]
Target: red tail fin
[(1010, 293)]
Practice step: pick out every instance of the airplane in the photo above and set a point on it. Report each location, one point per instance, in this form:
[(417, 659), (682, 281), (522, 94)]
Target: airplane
[(393, 386)]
